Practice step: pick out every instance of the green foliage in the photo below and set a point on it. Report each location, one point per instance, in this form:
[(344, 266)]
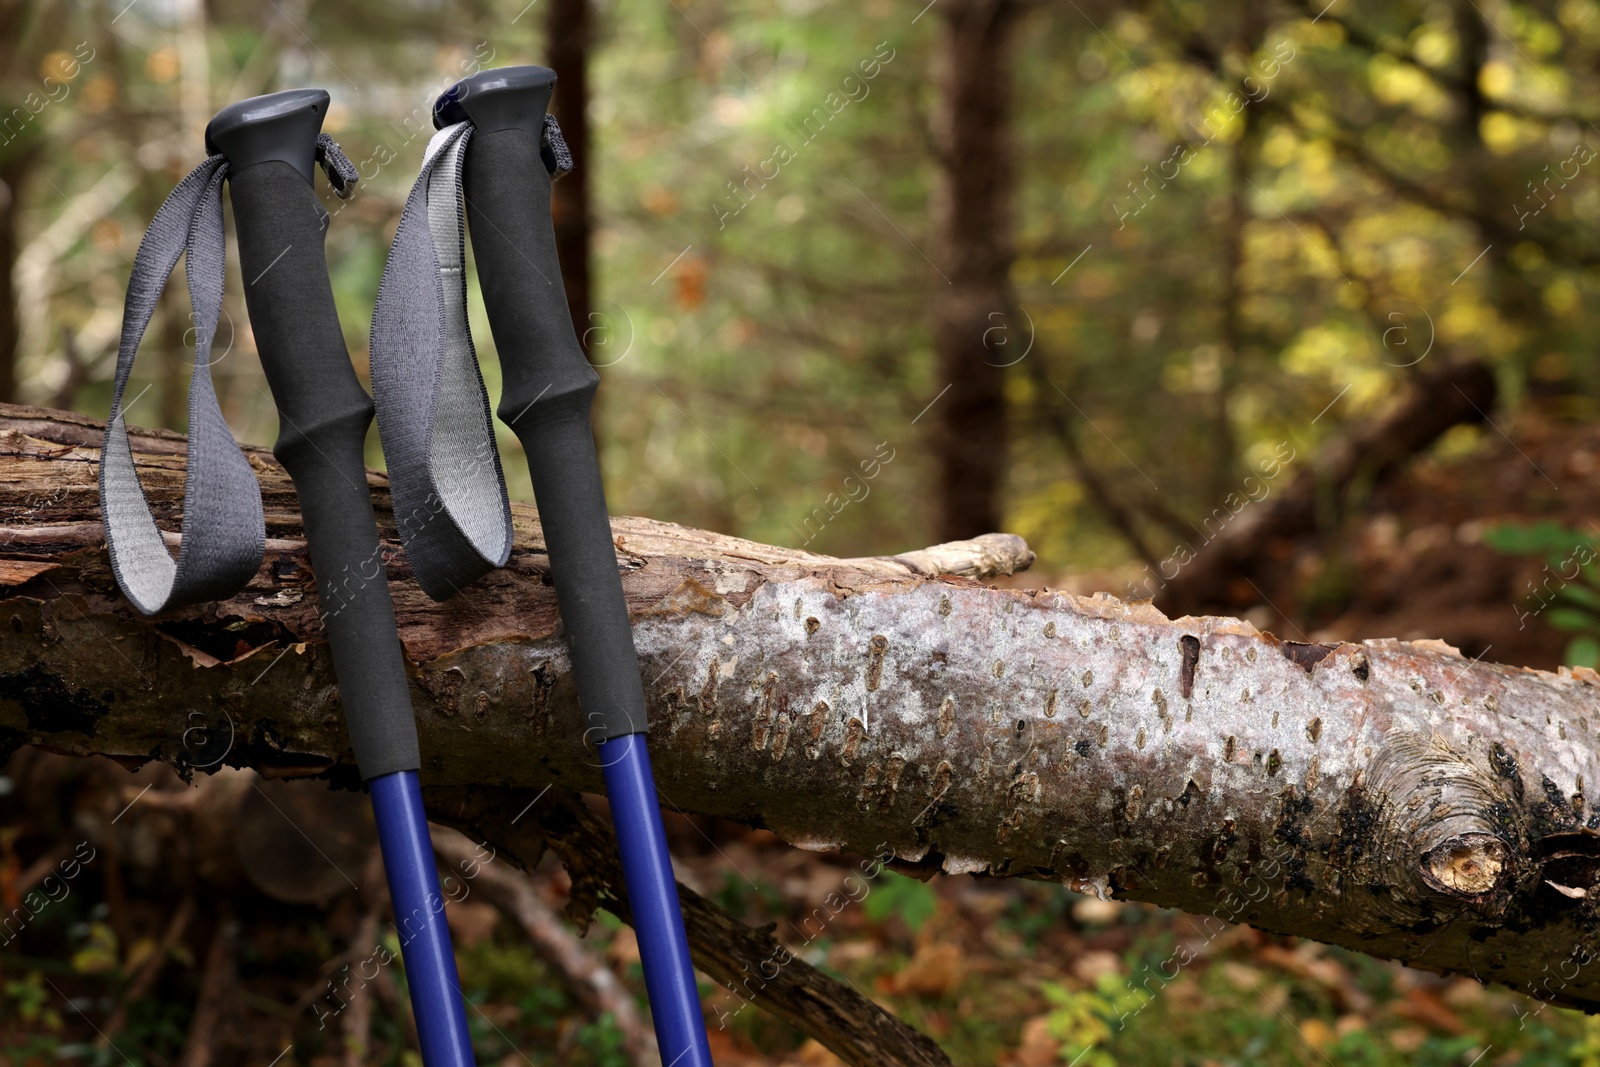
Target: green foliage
[(1080, 1020), (762, 317), (1568, 597), (156, 1026), (912, 901), (1546, 538), (507, 971), (601, 1041), (30, 999), (1583, 651), (746, 898), (98, 952), (1036, 911), (1586, 1049)]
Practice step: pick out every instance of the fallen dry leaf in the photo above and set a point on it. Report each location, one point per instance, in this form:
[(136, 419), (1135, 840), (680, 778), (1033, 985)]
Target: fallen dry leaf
[(1422, 1005), (471, 922), (1039, 1047), (1091, 965), (814, 1054), (934, 971), (1318, 1034), (624, 948)]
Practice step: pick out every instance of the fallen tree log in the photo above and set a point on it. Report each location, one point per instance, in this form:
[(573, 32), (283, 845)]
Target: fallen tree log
[(1391, 797)]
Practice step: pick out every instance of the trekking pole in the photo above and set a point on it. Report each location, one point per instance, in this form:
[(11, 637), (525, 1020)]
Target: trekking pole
[(267, 148), (497, 150)]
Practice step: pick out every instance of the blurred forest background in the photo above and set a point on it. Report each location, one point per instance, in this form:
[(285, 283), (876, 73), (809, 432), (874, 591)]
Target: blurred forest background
[(1272, 309)]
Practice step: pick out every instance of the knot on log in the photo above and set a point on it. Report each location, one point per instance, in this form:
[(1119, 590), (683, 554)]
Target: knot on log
[(1453, 831), (1446, 834), (1466, 866)]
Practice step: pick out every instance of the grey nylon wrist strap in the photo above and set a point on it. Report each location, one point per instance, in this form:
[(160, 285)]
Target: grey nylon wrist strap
[(448, 487), (224, 528)]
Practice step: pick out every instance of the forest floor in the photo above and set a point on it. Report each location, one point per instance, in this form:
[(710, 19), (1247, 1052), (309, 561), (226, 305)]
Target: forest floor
[(1003, 972), (1477, 543), (997, 971)]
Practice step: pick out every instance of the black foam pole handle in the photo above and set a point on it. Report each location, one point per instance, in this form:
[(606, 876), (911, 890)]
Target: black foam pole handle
[(323, 411), (548, 383)]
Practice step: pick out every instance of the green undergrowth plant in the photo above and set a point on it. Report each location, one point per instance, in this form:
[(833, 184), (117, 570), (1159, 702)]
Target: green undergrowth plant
[(1566, 593)]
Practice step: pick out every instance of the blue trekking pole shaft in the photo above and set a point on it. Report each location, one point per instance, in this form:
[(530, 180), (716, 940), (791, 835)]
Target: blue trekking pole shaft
[(549, 386), (271, 146)]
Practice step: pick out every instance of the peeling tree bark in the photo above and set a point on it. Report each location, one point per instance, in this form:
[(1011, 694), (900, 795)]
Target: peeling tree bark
[(1391, 797)]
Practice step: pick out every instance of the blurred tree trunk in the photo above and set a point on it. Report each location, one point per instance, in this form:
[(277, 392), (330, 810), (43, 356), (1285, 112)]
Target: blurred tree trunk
[(1231, 370), (569, 27), (16, 156), (14, 167), (974, 329), (174, 360), (1485, 179), (27, 32)]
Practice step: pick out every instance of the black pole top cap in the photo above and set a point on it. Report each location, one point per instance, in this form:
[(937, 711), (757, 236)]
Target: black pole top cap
[(282, 126), (506, 98)]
